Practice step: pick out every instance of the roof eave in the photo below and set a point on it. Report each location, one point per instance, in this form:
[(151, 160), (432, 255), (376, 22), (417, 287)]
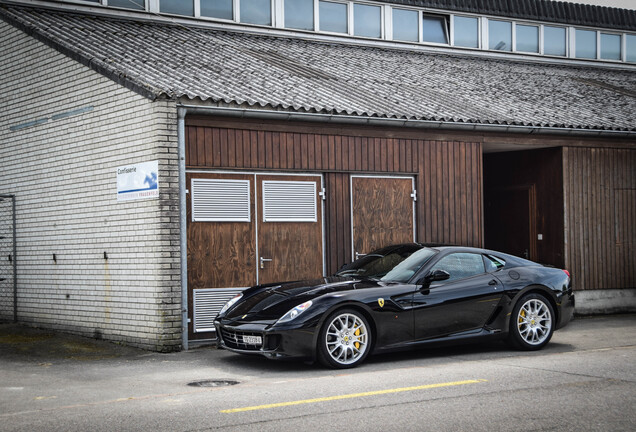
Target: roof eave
[(269, 114)]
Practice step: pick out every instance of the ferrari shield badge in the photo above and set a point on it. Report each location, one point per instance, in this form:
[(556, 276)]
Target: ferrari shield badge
[(381, 302)]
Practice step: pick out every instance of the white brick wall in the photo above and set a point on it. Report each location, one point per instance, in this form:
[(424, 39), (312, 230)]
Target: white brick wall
[(63, 173)]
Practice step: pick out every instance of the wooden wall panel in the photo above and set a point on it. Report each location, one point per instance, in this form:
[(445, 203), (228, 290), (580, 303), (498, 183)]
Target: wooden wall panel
[(448, 174), (600, 217)]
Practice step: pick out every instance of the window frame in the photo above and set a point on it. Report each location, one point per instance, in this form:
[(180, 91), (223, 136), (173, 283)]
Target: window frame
[(387, 31), (542, 41), (514, 37), (447, 29), (480, 31), (419, 24), (621, 45), (349, 7)]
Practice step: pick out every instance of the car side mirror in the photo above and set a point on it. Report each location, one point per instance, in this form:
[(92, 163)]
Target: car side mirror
[(436, 276), (439, 275)]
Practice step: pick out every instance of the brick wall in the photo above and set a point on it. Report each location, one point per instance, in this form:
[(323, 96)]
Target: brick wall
[(63, 173)]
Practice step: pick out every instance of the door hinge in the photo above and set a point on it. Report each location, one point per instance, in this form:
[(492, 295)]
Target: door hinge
[(414, 195), (323, 194)]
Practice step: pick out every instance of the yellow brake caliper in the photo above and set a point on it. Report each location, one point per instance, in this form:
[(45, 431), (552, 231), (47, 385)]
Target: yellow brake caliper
[(357, 333), (523, 315)]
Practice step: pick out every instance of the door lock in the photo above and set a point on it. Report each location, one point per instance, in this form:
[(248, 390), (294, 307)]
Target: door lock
[(263, 261)]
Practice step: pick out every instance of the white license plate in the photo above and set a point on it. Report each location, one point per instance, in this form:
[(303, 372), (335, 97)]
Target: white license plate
[(252, 340)]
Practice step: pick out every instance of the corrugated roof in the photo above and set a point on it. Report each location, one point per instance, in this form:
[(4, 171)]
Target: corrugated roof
[(540, 10), (223, 67)]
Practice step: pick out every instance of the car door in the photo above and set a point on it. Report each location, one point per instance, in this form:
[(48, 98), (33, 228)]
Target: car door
[(461, 303)]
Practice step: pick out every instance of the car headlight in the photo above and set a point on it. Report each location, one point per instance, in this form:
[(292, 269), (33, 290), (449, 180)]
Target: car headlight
[(294, 312), (231, 303)]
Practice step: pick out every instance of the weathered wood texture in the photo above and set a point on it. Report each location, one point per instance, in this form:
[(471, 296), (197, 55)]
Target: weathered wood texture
[(382, 211), (236, 266), (542, 170), (448, 174), (600, 217), (294, 248)]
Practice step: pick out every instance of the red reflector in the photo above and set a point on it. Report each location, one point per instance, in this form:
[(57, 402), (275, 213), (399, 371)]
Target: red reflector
[(567, 273)]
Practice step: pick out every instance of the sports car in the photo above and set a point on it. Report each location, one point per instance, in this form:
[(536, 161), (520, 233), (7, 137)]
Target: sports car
[(400, 297)]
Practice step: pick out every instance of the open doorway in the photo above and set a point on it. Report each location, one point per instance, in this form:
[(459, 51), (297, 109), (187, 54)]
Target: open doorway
[(523, 204)]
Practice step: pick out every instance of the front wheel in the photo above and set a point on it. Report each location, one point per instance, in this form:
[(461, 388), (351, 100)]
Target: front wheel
[(532, 323), (344, 340)]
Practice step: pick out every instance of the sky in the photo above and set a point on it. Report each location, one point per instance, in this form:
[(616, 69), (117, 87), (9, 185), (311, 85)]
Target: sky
[(627, 4)]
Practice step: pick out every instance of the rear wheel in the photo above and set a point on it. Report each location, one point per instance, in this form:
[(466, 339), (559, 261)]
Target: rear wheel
[(532, 323), (344, 340)]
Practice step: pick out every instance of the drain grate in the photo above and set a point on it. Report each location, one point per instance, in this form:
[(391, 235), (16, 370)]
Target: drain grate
[(213, 383)]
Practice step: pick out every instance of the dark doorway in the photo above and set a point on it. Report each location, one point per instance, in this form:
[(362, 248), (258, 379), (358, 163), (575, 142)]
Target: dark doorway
[(523, 204), (510, 221)]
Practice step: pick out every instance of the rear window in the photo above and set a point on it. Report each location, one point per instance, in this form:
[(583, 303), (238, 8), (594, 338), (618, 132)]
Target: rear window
[(493, 263)]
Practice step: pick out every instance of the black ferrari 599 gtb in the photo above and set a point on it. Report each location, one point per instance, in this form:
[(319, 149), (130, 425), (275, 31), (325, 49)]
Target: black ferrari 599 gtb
[(399, 297)]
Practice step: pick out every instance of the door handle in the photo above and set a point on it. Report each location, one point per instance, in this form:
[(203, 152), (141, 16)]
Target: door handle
[(358, 255), (263, 261), (492, 282)]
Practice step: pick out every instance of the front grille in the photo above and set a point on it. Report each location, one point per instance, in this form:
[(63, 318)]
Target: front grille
[(234, 339)]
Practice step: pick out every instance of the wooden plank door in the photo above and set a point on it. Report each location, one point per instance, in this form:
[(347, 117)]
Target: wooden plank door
[(221, 243), (383, 212), (290, 237)]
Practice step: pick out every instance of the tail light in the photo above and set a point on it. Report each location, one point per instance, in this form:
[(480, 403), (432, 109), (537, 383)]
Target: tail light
[(566, 272)]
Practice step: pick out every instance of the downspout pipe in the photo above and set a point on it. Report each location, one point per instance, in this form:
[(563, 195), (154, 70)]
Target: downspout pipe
[(265, 114), (181, 113)]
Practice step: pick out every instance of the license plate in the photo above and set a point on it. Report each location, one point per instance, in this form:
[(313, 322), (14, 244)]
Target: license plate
[(252, 340)]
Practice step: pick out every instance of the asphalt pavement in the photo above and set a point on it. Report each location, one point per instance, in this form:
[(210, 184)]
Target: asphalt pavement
[(585, 379)]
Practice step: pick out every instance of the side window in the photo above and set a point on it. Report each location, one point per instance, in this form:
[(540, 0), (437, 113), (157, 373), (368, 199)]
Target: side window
[(493, 263), (461, 265)]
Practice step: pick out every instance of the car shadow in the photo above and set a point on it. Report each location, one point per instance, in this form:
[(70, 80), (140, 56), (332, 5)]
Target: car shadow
[(430, 356)]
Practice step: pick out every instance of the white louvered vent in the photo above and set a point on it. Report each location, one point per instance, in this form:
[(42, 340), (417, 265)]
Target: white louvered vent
[(289, 201), (208, 303), (220, 200)]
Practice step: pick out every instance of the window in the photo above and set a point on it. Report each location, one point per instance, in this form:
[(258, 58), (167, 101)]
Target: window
[(128, 4), (610, 46), (461, 265), (177, 7), (466, 32), (333, 17), (631, 48), (256, 12), (499, 35), (435, 29), (493, 263), (299, 14), (405, 26), (217, 9), (367, 20), (554, 41), (527, 38), (585, 41)]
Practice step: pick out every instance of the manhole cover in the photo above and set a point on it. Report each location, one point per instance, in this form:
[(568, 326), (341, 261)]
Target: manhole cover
[(213, 383)]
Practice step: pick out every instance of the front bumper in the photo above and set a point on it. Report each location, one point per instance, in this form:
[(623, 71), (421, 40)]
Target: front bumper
[(290, 342)]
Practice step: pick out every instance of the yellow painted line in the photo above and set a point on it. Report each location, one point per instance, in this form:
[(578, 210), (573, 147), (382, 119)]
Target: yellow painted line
[(352, 395)]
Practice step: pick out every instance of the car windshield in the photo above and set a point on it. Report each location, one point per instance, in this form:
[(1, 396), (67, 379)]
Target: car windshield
[(394, 264)]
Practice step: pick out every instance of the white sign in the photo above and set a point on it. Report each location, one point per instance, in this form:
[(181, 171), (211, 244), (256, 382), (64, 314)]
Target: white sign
[(138, 181)]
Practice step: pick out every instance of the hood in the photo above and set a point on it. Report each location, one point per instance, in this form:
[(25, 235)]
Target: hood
[(273, 301)]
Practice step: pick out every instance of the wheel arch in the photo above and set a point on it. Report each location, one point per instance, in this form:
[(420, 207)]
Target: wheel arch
[(534, 289)]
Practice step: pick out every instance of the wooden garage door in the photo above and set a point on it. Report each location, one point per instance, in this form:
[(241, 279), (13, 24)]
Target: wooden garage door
[(382, 212), (289, 228), (248, 229)]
